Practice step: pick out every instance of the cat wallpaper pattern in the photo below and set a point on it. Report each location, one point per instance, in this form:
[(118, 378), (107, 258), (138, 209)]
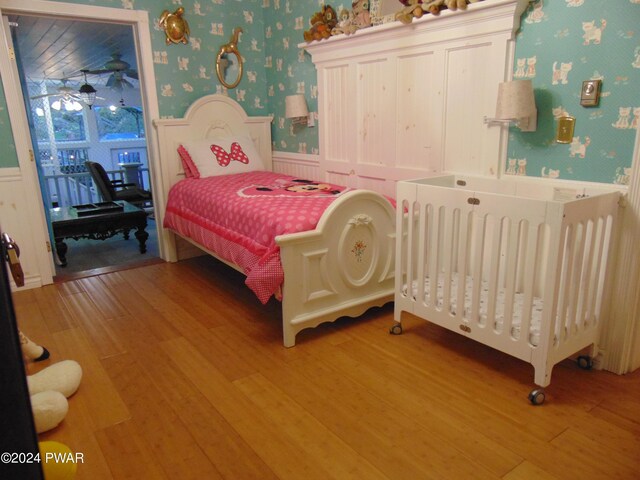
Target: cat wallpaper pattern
[(561, 43)]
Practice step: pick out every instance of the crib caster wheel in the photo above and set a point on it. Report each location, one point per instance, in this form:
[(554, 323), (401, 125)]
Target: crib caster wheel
[(536, 397), (585, 362), (396, 329)]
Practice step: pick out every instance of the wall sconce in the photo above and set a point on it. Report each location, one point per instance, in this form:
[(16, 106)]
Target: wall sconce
[(87, 92), (516, 104), (296, 109)]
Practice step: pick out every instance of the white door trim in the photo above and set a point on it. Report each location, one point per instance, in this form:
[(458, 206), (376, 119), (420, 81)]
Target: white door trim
[(139, 20)]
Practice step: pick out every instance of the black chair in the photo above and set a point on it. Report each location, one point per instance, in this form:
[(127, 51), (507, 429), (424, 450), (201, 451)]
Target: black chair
[(112, 190)]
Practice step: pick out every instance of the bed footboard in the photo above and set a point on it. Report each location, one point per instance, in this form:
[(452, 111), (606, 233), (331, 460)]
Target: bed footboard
[(343, 267)]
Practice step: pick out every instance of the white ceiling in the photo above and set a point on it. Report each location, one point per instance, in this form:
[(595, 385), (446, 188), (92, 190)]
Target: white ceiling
[(53, 48)]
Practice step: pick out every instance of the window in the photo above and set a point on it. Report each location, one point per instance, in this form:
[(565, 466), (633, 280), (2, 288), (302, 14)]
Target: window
[(67, 126), (119, 123)]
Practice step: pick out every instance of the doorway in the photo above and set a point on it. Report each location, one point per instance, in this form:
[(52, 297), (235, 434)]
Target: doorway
[(56, 113)]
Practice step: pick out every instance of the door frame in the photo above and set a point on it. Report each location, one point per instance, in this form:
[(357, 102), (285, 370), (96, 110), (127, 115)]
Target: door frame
[(139, 21)]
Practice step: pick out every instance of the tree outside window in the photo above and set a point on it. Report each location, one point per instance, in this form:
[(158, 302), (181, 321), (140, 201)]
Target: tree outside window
[(119, 123), (67, 126)]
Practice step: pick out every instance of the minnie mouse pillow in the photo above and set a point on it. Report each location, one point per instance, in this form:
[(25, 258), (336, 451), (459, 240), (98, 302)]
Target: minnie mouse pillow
[(220, 156)]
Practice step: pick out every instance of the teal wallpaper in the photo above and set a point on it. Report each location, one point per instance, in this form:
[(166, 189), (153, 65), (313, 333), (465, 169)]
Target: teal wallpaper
[(9, 157), (185, 73), (561, 43), (290, 71)]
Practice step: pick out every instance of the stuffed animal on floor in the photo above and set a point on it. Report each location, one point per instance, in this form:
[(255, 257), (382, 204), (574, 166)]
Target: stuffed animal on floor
[(50, 387), (49, 390)]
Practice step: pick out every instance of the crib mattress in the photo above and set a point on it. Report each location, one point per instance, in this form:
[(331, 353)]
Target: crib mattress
[(518, 305)]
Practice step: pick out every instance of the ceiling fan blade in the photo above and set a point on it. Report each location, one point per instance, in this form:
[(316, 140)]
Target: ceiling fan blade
[(99, 72), (131, 73), (45, 95)]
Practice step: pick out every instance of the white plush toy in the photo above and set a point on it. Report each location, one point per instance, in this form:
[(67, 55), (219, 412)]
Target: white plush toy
[(50, 387), (49, 390), (49, 409)]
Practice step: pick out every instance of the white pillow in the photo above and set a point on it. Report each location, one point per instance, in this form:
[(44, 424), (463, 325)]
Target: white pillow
[(223, 156)]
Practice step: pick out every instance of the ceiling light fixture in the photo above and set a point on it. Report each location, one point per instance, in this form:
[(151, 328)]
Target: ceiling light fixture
[(87, 92)]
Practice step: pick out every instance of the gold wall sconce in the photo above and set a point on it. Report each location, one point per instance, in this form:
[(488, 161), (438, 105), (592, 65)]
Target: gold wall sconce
[(516, 104), (229, 57)]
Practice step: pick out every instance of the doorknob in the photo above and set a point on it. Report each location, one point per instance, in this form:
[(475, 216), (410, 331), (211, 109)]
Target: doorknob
[(12, 257)]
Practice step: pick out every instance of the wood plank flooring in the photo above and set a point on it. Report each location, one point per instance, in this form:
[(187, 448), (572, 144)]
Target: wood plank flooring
[(185, 376)]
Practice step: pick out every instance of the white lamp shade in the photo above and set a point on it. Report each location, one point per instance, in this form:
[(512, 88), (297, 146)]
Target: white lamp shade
[(515, 100), (296, 106)]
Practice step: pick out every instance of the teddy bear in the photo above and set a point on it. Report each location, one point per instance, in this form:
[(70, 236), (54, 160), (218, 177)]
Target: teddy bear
[(416, 8), (361, 15), (345, 24), (322, 23), (461, 4)]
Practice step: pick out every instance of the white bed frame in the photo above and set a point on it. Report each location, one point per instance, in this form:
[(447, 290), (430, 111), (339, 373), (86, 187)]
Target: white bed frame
[(342, 268)]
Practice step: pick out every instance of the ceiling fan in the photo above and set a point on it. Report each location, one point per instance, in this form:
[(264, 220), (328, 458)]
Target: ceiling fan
[(118, 69), (67, 93), (69, 98)]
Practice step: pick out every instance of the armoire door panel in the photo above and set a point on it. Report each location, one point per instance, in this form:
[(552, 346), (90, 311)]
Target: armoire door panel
[(472, 74), (376, 108), (336, 138), (418, 128)]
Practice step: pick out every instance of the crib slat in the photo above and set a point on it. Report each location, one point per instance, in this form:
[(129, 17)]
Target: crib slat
[(532, 250), (598, 259), (477, 244), (494, 262), (585, 279), (422, 242), (510, 281), (463, 246), (574, 285)]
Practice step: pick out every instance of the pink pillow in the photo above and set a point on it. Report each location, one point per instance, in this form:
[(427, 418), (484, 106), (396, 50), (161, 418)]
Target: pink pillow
[(190, 170), (220, 156)]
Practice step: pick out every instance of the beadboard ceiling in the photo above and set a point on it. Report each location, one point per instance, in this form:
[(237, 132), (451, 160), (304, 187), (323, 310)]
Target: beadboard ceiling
[(55, 49)]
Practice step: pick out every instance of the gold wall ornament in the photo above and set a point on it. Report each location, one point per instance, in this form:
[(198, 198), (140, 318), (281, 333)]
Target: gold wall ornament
[(224, 61), (175, 27)]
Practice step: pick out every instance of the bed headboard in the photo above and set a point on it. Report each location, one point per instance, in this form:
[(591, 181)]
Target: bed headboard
[(212, 116)]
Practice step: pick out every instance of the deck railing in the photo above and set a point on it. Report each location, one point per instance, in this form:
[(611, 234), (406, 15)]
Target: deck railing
[(64, 190)]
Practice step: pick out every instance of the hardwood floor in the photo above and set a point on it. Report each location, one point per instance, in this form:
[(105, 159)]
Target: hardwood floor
[(185, 376)]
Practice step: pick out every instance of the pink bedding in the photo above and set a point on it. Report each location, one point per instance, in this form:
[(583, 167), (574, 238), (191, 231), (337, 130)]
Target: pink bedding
[(238, 217)]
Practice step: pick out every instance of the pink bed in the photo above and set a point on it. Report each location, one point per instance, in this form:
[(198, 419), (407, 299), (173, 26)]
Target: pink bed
[(238, 217), (324, 251)]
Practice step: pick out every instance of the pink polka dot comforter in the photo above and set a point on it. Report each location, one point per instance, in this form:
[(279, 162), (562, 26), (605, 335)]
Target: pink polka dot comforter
[(238, 217)]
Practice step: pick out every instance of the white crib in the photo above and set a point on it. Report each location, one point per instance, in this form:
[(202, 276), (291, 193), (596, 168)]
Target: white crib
[(518, 266)]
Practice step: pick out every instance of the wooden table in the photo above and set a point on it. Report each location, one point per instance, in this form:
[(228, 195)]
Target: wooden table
[(97, 221)]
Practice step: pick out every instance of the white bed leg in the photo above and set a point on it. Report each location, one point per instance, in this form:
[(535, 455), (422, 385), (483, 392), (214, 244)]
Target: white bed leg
[(288, 336)]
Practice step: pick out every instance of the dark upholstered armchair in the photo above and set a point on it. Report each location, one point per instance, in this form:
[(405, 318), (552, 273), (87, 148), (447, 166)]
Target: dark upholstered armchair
[(112, 190)]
